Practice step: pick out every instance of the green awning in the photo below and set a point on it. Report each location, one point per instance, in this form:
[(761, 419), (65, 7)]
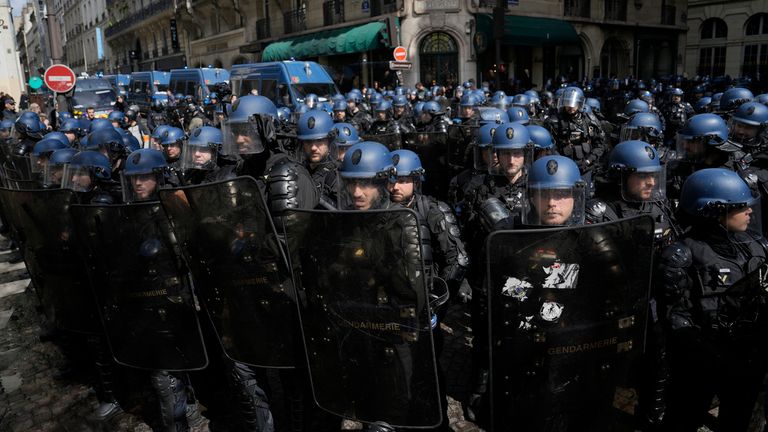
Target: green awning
[(338, 41), (529, 31)]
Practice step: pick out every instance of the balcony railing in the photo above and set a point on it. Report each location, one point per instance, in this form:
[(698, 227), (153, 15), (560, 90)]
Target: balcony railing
[(294, 21), (381, 7), (333, 12), (147, 13), (576, 8), (262, 29), (616, 10), (668, 15)]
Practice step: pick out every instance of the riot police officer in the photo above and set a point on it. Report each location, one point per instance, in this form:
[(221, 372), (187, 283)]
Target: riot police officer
[(29, 130), (355, 114), (317, 151), (199, 155), (346, 136), (90, 174), (748, 126), (340, 111), (172, 142), (578, 135), (555, 194), (712, 302), (157, 115), (676, 113)]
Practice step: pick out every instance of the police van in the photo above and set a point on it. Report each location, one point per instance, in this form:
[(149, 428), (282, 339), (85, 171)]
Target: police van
[(286, 83), (147, 87), (96, 93), (199, 82), (119, 82)]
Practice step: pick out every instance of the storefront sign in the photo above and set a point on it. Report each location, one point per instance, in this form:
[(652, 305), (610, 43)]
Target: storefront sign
[(426, 6), (174, 36)]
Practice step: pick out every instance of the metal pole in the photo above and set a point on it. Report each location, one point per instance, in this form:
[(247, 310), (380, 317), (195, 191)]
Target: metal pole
[(57, 52), (498, 33)]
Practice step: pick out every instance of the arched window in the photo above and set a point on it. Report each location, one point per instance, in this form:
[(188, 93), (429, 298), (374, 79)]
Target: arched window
[(757, 24), (714, 28), (439, 59)]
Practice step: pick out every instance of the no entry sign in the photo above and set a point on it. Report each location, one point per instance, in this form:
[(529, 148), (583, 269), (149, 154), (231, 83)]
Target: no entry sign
[(59, 78), (400, 54)]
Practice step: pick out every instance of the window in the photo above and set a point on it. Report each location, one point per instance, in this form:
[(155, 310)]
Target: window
[(269, 89), (712, 61), (439, 59), (755, 64), (757, 25), (714, 28)]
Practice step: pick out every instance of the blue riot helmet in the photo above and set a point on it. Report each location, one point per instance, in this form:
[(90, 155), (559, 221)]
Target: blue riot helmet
[(518, 114), (409, 174), (59, 136), (28, 125), (493, 116), (556, 193), (676, 94), (762, 98), (635, 106), (326, 106), (521, 100), (418, 107), (642, 176), (202, 149), (284, 114), (117, 118), (734, 97), (382, 111), (144, 174), (311, 100), (99, 124), (108, 142), (512, 148), (399, 101), (250, 127), (53, 170), (172, 142), (594, 104), (543, 144), (715, 106), (365, 175), (499, 101), (571, 100), (156, 136), (703, 105), (298, 112), (482, 147), (213, 98), (432, 108), (85, 170), (646, 96), (717, 194), (72, 129), (42, 151), (481, 96), (130, 142), (748, 123), (533, 94), (467, 105), (399, 91), (6, 126), (338, 97), (643, 126), (702, 133), (354, 97), (345, 137), (63, 116), (374, 100), (315, 136), (340, 110)]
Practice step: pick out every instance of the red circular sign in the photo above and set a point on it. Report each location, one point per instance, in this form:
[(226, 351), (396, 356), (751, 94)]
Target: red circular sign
[(60, 78), (400, 54)]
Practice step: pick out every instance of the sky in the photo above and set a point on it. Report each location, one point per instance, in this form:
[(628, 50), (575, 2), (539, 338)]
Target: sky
[(17, 5)]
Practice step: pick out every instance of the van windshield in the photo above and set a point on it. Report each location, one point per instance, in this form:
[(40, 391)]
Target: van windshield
[(162, 88), (94, 98), (322, 90)]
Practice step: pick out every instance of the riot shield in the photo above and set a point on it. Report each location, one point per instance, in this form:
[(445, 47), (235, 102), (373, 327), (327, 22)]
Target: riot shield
[(19, 167), (567, 322), (364, 316), (458, 143), (432, 148), (240, 271), (141, 286), (393, 141), (40, 222)]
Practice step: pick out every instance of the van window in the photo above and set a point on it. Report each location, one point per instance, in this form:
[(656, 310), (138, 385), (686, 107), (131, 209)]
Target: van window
[(285, 96), (189, 90), (244, 87), (136, 87), (269, 89)]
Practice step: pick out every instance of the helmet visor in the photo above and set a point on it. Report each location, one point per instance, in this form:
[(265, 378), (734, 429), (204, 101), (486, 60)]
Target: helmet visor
[(363, 193), (691, 149), (510, 162), (744, 133), (241, 138), (78, 178), (647, 134), (555, 207), (53, 175), (141, 187), (199, 157), (639, 186), (570, 100), (38, 162)]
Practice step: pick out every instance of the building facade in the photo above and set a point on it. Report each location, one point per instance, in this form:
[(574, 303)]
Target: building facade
[(11, 79), (85, 49), (450, 41), (728, 37)]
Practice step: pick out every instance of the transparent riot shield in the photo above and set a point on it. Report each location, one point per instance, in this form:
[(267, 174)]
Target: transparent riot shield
[(433, 150), (365, 316), (458, 146), (19, 167), (40, 222), (567, 322), (141, 286), (239, 269), (393, 141)]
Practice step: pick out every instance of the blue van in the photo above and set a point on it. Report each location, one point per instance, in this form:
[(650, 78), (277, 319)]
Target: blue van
[(197, 82), (96, 93), (120, 82), (148, 86), (286, 83)]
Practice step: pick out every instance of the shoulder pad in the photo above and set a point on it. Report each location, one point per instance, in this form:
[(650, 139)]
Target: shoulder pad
[(596, 208), (750, 179), (678, 255)]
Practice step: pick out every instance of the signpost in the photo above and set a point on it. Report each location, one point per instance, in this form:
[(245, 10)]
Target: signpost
[(60, 78)]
